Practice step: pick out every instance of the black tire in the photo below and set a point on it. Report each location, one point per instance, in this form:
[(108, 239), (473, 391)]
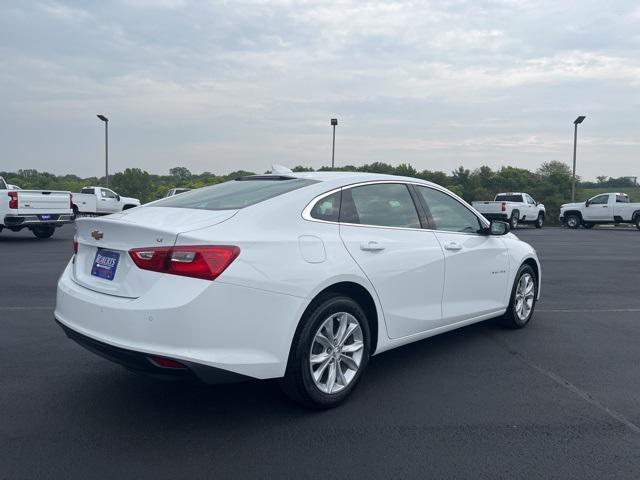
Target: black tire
[(573, 221), (298, 382), (43, 231), (588, 225), (540, 221), (637, 222), (513, 221), (511, 318)]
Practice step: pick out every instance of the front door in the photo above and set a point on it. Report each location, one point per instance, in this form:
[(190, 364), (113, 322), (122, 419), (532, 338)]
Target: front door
[(476, 264), (598, 209)]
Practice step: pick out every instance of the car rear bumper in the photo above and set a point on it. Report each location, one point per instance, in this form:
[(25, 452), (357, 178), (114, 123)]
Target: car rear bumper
[(143, 363), (237, 329), (54, 219)]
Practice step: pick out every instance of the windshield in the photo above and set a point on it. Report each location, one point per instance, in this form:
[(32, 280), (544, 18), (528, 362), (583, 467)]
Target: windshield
[(234, 194)]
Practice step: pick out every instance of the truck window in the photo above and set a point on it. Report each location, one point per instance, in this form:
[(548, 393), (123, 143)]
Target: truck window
[(599, 200), (107, 193), (622, 199), (89, 191), (3, 185), (509, 198)]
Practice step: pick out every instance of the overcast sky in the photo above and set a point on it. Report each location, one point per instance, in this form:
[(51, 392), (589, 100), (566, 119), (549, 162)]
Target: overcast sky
[(225, 85)]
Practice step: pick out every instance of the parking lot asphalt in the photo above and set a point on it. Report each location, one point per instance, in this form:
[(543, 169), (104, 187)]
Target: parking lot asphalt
[(559, 399)]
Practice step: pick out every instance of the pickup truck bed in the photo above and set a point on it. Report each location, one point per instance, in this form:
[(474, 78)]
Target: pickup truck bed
[(41, 211)]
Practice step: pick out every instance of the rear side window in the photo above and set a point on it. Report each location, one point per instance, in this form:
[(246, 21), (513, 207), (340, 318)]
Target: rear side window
[(327, 208), (90, 191), (382, 204), (234, 194), (509, 198), (622, 199)]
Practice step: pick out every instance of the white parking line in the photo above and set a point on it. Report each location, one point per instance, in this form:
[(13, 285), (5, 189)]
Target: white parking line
[(563, 382), (26, 308), (588, 310)]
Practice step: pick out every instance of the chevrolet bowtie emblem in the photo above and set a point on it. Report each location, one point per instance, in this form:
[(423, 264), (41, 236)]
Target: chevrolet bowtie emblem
[(97, 234)]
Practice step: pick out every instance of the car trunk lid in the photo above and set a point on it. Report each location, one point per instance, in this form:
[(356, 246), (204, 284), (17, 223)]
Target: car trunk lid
[(102, 261)]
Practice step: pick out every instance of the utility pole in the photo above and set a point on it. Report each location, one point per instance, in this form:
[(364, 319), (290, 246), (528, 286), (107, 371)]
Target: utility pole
[(334, 122)]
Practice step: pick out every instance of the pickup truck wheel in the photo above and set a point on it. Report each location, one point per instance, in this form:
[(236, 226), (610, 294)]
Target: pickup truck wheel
[(513, 221), (573, 221), (637, 222), (43, 231), (523, 299), (540, 221)]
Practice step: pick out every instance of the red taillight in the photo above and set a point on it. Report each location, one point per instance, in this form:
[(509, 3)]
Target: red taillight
[(13, 200), (198, 261), (166, 363), (504, 206)]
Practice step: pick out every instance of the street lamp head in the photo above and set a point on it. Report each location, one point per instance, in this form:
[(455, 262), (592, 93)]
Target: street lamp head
[(579, 120), (334, 121), (103, 118)]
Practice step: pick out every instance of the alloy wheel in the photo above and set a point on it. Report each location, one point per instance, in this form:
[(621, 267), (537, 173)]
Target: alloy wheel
[(336, 352), (525, 293)]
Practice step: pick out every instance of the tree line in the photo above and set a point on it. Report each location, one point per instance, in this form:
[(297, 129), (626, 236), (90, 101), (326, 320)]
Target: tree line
[(550, 184)]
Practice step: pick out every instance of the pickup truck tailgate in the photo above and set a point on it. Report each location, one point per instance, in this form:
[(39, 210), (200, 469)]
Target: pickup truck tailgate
[(32, 202), (489, 206)]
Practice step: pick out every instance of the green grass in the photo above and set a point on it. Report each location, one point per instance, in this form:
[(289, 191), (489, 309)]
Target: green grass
[(583, 194)]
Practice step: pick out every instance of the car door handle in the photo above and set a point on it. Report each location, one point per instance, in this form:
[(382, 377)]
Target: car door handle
[(371, 246), (605, 206), (452, 246)]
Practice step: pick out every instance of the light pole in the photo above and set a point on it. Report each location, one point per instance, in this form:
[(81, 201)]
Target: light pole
[(106, 146), (576, 122), (334, 122)]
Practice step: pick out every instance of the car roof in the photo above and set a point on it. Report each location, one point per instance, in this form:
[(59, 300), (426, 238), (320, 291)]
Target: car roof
[(336, 179)]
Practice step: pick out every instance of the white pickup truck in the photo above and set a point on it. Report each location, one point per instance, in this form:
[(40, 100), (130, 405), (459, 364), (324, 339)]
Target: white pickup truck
[(41, 211), (101, 201), (604, 208), (513, 207)]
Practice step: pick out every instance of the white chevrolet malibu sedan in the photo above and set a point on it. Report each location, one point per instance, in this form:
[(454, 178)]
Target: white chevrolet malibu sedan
[(299, 276)]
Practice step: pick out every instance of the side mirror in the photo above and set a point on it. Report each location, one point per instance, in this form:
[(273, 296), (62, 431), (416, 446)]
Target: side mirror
[(118, 197), (537, 203), (586, 204), (498, 228)]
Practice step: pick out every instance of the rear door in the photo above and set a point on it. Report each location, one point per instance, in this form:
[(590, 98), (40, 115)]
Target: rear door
[(476, 265), (599, 209), (382, 230)]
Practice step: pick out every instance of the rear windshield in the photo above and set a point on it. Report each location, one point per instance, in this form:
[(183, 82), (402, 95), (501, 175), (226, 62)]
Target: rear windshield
[(234, 194), (509, 198)]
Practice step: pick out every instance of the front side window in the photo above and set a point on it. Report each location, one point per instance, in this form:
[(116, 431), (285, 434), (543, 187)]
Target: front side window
[(108, 193), (380, 204), (327, 208), (3, 185), (235, 194), (530, 200), (447, 213), (599, 200)]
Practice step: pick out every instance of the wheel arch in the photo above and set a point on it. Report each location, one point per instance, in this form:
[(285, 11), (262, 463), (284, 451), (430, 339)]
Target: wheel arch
[(128, 206), (533, 263), (578, 213), (359, 294)]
